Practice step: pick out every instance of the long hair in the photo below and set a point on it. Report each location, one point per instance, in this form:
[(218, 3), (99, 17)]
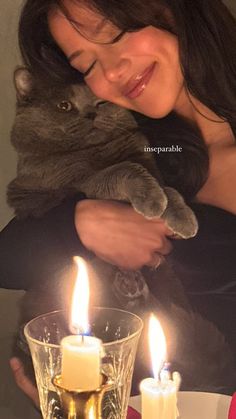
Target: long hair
[(206, 32)]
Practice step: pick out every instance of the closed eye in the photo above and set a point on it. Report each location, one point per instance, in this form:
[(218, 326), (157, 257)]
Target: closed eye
[(118, 37), (86, 73)]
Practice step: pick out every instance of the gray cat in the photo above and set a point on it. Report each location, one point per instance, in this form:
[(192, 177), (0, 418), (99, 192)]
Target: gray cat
[(68, 141)]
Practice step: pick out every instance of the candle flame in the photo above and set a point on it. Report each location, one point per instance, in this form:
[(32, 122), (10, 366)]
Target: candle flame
[(80, 299), (157, 345)]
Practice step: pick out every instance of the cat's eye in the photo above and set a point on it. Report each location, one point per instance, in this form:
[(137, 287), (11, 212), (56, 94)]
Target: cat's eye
[(65, 106)]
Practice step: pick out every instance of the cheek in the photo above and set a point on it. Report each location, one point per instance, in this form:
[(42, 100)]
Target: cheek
[(100, 87), (152, 41)]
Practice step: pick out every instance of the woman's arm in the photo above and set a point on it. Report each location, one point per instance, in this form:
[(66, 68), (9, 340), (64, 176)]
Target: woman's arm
[(36, 248), (116, 233)]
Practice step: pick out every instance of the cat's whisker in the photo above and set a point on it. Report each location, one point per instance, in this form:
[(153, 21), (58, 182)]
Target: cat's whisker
[(107, 124)]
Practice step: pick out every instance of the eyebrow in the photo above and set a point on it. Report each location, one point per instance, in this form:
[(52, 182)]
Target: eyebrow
[(75, 25), (76, 54)]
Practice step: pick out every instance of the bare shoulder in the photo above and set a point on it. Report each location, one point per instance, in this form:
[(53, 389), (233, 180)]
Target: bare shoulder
[(220, 187)]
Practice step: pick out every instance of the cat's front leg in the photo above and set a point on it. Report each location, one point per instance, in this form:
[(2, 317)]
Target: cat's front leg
[(128, 182), (179, 217)]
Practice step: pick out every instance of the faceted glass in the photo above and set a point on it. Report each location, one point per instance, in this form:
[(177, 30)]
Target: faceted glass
[(119, 331)]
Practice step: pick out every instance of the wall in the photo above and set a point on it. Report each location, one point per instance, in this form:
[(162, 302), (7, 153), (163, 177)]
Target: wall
[(9, 58)]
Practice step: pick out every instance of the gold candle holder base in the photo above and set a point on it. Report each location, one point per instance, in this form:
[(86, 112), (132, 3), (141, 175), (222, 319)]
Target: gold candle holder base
[(79, 404)]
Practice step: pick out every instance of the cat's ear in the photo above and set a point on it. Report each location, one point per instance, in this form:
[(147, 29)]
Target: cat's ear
[(23, 82)]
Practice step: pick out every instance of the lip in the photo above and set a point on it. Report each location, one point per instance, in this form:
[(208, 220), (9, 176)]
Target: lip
[(135, 87)]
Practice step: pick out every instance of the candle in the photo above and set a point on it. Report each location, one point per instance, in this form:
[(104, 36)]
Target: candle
[(80, 354), (159, 394)]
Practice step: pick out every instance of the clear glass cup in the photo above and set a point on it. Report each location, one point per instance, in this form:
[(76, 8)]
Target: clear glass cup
[(119, 331)]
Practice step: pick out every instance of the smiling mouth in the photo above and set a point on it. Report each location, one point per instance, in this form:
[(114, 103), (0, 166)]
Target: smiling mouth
[(137, 87)]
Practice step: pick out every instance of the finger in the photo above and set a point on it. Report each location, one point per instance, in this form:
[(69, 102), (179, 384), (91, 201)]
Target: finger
[(156, 261), (121, 261), (166, 230), (23, 382), (164, 247)]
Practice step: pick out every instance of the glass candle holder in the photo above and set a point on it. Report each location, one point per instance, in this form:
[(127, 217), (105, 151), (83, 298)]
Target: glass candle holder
[(119, 331)]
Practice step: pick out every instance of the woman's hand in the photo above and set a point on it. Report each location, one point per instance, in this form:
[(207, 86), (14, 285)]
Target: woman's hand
[(23, 382), (116, 233)]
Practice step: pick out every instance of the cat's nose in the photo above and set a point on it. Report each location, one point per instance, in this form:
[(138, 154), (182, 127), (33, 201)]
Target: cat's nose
[(89, 112)]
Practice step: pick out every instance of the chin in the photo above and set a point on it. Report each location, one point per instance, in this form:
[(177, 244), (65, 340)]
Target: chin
[(154, 110), (155, 114)]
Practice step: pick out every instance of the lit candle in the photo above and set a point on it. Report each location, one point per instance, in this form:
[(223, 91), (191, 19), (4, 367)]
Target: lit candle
[(80, 354), (159, 394)]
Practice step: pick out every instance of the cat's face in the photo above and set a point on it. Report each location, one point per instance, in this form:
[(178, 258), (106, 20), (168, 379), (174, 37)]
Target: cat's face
[(70, 111)]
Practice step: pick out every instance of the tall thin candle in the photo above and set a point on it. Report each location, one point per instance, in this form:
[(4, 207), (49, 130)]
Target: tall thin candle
[(159, 394)]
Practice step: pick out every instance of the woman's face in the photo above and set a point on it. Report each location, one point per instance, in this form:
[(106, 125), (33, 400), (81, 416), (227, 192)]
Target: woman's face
[(141, 71)]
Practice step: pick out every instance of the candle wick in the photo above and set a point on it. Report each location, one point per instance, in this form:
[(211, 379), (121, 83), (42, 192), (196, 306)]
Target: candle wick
[(82, 339), (165, 375)]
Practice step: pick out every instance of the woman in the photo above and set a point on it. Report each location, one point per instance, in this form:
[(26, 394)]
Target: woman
[(154, 58)]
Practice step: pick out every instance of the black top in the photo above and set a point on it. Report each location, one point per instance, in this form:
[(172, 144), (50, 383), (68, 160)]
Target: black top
[(34, 249), (33, 246), (207, 263)]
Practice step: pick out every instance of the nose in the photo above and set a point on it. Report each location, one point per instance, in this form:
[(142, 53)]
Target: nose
[(116, 70), (89, 112)]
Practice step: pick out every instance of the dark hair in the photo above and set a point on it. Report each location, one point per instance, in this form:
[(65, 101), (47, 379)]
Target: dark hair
[(206, 31)]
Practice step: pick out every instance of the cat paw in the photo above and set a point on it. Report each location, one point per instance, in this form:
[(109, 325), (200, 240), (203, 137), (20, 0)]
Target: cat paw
[(130, 288), (183, 223), (150, 200), (179, 217)]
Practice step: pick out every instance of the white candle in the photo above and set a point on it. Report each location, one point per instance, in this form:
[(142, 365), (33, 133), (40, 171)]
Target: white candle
[(80, 354), (81, 363), (158, 402), (159, 394), (152, 400)]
